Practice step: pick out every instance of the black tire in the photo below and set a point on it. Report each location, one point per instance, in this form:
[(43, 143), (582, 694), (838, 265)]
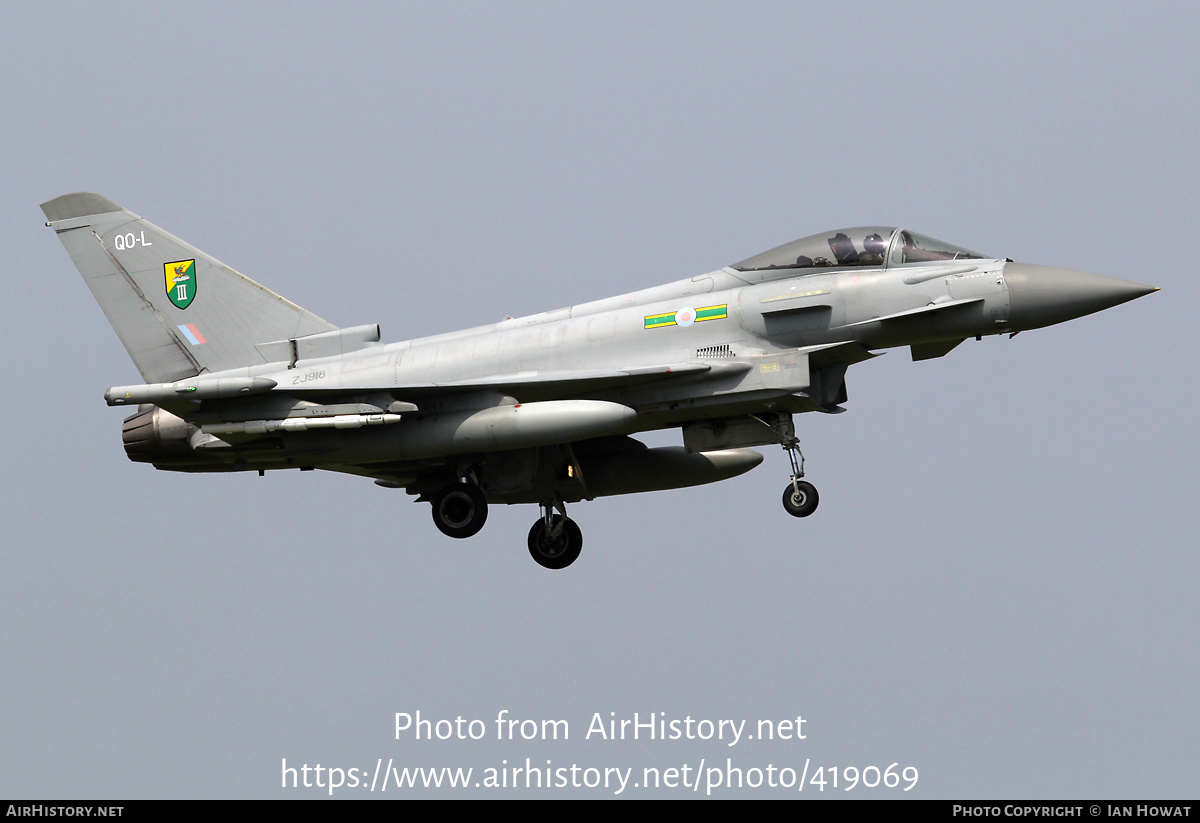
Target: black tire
[(802, 500), (559, 554), (460, 510)]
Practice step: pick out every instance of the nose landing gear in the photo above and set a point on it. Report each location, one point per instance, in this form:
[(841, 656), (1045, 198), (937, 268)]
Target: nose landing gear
[(800, 497)]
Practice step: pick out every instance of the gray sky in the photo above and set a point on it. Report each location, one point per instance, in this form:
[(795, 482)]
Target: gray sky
[(999, 588)]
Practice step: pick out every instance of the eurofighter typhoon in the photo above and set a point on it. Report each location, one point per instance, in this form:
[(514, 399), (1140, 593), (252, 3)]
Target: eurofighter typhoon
[(537, 409)]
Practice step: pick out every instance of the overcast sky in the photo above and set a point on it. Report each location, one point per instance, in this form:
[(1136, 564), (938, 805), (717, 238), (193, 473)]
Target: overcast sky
[(999, 588)]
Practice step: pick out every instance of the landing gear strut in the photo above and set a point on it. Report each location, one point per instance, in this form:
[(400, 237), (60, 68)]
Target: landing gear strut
[(460, 510), (800, 497), (555, 541)]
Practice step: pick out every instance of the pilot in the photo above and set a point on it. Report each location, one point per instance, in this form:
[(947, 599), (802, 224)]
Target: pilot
[(874, 249)]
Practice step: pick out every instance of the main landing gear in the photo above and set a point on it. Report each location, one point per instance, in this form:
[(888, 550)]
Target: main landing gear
[(800, 497), (460, 510), (555, 541)]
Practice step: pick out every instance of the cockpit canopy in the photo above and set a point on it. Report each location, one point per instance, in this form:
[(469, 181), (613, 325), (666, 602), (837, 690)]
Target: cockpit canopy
[(873, 246)]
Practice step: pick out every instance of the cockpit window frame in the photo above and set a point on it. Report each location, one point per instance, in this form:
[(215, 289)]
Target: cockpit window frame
[(929, 250), (842, 244)]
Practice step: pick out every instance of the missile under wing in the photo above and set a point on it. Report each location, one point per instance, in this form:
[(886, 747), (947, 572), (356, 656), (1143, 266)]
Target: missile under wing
[(538, 409)]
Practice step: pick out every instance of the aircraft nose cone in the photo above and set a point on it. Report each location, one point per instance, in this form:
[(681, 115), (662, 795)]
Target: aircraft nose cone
[(1043, 295)]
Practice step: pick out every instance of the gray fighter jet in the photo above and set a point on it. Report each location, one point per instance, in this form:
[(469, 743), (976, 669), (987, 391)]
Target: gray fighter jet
[(537, 409)]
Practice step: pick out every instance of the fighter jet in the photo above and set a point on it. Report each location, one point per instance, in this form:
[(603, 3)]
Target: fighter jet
[(538, 409)]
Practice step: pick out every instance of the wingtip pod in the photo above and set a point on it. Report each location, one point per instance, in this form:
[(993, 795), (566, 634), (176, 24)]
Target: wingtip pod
[(77, 204)]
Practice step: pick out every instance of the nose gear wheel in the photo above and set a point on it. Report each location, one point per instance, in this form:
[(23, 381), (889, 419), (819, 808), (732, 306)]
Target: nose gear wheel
[(800, 498)]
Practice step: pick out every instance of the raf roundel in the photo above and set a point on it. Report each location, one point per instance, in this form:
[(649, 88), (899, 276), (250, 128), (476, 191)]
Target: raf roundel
[(685, 317)]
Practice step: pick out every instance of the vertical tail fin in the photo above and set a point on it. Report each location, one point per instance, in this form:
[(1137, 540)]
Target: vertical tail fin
[(177, 311)]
